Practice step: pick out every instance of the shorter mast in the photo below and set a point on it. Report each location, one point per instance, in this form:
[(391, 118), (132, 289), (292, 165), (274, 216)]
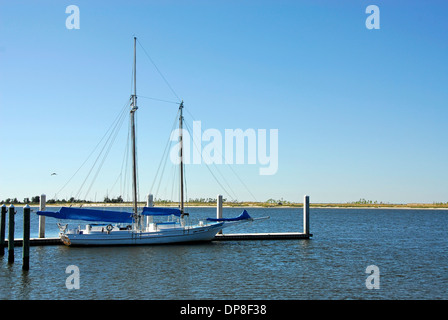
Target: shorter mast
[(181, 160)]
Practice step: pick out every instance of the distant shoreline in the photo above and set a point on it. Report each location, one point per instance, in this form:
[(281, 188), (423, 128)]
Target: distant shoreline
[(258, 205)]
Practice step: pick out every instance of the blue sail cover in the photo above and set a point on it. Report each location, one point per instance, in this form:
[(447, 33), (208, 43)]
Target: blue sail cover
[(157, 211), (243, 216), (89, 215)]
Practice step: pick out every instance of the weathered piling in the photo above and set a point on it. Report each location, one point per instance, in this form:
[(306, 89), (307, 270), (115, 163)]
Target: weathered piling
[(306, 215), (11, 234), (2, 230), (150, 200), (149, 203), (42, 207), (26, 238), (219, 209)]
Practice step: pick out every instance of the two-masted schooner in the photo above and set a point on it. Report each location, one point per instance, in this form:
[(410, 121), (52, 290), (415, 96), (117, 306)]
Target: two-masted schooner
[(124, 228)]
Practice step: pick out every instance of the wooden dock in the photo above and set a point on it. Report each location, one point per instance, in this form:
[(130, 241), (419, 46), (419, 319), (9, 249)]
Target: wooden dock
[(262, 236), (218, 237), (37, 242)]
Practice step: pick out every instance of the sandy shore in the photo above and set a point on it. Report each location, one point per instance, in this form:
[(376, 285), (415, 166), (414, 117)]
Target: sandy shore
[(261, 205)]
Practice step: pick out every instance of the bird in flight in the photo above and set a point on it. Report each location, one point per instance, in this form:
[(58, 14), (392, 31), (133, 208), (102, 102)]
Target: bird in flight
[(54, 173)]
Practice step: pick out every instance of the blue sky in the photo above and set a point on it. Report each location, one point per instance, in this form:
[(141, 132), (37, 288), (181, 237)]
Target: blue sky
[(360, 113)]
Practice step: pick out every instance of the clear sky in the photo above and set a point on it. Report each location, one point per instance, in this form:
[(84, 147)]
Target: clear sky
[(360, 113)]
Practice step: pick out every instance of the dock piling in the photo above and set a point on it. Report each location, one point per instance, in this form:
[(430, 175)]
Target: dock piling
[(2, 230), (219, 209), (26, 238), (11, 234), (306, 215), (42, 206), (150, 200), (149, 203)]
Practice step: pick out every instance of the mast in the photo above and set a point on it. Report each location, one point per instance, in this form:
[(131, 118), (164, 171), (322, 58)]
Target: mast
[(181, 160), (134, 160)]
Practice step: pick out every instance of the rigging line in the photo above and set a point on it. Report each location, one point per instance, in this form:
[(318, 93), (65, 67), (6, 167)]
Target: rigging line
[(216, 167), (99, 155), (94, 149), (230, 167), (104, 157), (120, 175), (164, 189), (225, 190), (164, 160), (116, 131), (160, 73), (124, 162), (126, 168), (186, 188), (168, 143), (180, 194), (156, 99), (174, 173), (115, 183), (136, 157)]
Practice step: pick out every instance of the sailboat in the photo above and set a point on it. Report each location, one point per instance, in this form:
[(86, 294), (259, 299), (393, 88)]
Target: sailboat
[(124, 228)]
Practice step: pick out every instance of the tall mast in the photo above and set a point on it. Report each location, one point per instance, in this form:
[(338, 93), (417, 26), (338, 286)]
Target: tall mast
[(181, 160), (134, 161)]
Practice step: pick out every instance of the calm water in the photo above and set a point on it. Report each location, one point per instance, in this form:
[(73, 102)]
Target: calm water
[(409, 247)]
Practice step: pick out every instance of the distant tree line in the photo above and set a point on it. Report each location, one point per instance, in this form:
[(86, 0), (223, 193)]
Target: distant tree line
[(36, 200), (118, 199), (364, 201), (205, 200), (33, 200), (280, 202)]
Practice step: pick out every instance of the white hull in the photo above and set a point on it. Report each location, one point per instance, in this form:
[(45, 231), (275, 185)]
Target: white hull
[(130, 237)]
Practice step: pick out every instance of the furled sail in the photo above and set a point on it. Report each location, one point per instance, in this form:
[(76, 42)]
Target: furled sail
[(68, 213), (243, 216), (157, 211)]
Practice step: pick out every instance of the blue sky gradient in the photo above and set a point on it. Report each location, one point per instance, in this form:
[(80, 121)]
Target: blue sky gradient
[(361, 113)]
